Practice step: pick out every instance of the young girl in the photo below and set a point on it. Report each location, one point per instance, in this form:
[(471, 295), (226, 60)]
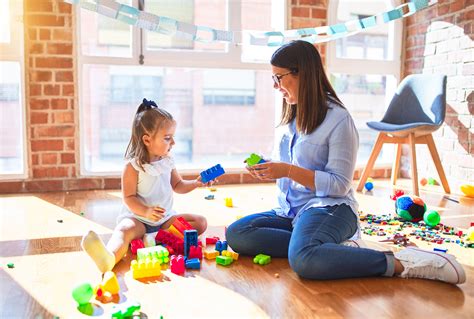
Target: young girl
[(148, 182)]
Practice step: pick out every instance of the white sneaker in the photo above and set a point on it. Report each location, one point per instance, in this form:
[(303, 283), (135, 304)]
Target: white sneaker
[(358, 243), (433, 265)]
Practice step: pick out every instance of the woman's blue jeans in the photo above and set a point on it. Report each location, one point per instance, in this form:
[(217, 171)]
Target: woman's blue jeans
[(313, 245)]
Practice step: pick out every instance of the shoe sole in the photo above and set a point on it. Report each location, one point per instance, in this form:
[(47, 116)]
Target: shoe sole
[(450, 259)]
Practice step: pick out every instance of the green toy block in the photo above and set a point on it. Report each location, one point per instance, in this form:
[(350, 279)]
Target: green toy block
[(125, 310), (262, 259), (83, 293), (224, 260), (155, 252), (254, 159)]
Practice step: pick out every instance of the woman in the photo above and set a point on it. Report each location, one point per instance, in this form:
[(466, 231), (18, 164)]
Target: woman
[(317, 208)]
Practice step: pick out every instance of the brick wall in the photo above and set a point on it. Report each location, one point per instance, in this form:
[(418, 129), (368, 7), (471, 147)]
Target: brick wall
[(440, 40)]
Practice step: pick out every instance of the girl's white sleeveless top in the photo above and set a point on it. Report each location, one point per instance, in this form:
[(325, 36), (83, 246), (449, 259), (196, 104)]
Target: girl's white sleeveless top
[(153, 189)]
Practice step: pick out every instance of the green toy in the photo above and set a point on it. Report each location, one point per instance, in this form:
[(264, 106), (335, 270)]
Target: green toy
[(82, 293), (125, 310), (254, 159), (431, 218), (224, 260), (262, 259)]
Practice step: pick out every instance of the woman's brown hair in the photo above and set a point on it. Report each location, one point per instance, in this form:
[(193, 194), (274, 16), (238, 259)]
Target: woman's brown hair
[(302, 58), (148, 120)]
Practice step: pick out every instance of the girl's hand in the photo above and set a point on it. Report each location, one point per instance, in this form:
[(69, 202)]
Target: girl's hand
[(154, 213), (198, 182), (269, 170)]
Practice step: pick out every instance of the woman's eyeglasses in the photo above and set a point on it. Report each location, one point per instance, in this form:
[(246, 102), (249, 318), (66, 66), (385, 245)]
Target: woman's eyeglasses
[(277, 77)]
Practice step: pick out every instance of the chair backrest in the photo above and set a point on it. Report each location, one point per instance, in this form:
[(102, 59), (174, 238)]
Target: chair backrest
[(419, 98)]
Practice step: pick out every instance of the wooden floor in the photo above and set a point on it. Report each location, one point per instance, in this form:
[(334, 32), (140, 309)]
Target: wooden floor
[(40, 234)]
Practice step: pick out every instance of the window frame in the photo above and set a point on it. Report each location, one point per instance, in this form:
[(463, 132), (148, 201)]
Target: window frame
[(14, 52), (230, 58)]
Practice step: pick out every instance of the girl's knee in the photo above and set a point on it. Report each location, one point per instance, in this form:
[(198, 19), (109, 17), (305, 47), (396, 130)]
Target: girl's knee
[(201, 224)]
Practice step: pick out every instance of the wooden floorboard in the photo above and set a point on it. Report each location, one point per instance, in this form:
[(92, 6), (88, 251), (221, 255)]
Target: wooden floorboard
[(40, 234)]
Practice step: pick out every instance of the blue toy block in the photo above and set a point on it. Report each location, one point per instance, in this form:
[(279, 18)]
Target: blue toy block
[(443, 250), (221, 245), (212, 173), (193, 263), (190, 239)]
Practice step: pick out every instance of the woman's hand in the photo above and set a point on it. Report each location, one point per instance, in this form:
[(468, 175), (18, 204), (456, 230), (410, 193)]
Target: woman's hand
[(269, 170), (154, 213)]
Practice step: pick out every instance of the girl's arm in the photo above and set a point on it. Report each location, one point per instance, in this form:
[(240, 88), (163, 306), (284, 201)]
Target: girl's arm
[(133, 203), (182, 186)]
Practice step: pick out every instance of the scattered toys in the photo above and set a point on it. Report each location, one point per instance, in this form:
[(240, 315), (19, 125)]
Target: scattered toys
[(431, 218), (423, 181), (211, 240), (109, 285), (135, 245), (11, 265), (195, 252), (228, 253), (125, 310), (443, 250), (432, 181), (397, 193), (467, 190), (82, 293), (254, 159), (410, 208), (228, 202), (145, 268), (190, 239), (262, 259), (221, 245), (160, 253), (177, 264), (212, 173), (369, 185), (211, 254), (224, 260), (193, 263), (209, 197)]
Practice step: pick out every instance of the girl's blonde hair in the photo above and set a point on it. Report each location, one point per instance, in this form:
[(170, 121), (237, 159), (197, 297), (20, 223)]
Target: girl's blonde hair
[(148, 120)]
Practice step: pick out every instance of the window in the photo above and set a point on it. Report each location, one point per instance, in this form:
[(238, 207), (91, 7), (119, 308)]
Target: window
[(365, 67), (12, 128), (217, 92)]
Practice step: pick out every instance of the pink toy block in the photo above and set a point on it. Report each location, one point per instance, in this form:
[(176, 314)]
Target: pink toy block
[(211, 240), (136, 244), (195, 252), (177, 264)]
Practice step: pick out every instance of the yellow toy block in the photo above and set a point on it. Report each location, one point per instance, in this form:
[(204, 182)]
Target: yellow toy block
[(211, 254), (228, 202), (228, 253), (145, 268), (175, 232)]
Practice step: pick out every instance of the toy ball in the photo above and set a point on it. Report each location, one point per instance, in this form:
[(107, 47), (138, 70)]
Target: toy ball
[(431, 218), (423, 181), (468, 190), (410, 208), (369, 186)]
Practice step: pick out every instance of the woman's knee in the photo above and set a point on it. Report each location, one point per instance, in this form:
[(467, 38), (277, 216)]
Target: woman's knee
[(308, 264), (234, 236)]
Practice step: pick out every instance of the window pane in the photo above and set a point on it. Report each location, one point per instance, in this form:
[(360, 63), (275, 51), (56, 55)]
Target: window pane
[(4, 21), (366, 97), (372, 44), (216, 112), (11, 119), (103, 36), (209, 13)]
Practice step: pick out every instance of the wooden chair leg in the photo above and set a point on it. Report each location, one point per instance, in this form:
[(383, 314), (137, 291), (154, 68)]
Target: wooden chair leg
[(396, 164), (414, 172), (437, 161), (370, 163)]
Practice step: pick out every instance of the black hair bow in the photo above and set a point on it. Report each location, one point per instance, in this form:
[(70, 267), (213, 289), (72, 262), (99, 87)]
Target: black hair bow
[(151, 104)]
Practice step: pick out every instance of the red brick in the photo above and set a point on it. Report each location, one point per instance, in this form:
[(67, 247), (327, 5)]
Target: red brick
[(49, 158), (456, 6), (63, 117), (39, 104), (70, 145), (34, 159), (52, 172), (443, 9), (68, 90), (83, 183), (112, 183), (38, 117), (64, 76), (32, 34), (38, 6), (68, 158), (44, 20), (64, 7), (62, 35), (55, 63), (49, 89), (300, 12), (44, 34), (43, 186), (318, 13), (298, 23), (11, 187), (59, 104), (54, 131), (35, 89), (47, 145), (59, 48), (40, 76)]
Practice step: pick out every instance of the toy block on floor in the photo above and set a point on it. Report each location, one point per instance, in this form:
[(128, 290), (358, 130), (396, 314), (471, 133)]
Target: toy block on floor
[(228, 202), (212, 173), (175, 232), (156, 252), (254, 159), (262, 259), (177, 264), (231, 254), (211, 240), (125, 310), (224, 260), (193, 263), (135, 245), (165, 237), (211, 254), (221, 245), (190, 239), (145, 268), (195, 252)]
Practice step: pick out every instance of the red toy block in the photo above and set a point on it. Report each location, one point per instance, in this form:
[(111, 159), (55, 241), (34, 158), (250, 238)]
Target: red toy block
[(195, 252), (136, 244), (177, 264), (171, 240), (181, 225), (211, 240)]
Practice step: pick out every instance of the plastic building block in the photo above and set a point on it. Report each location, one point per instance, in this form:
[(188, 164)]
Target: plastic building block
[(228, 202), (211, 254), (262, 259), (175, 232), (145, 268), (109, 285), (212, 189), (156, 252), (209, 197), (211, 240), (467, 190), (212, 173), (136, 244), (82, 293), (181, 225), (195, 252), (125, 310), (177, 264), (190, 239), (221, 245), (231, 254), (149, 240), (171, 240), (11, 265), (224, 260), (444, 250), (193, 263), (254, 159)]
